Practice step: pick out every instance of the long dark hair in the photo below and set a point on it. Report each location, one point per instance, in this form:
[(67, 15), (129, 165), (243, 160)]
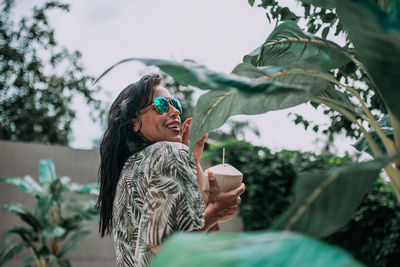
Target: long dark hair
[(121, 141)]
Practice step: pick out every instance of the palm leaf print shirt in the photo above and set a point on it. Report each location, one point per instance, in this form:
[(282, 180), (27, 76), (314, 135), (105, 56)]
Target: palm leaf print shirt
[(157, 194)]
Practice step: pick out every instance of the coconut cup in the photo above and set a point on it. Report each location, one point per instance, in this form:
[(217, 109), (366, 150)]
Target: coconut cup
[(227, 177)]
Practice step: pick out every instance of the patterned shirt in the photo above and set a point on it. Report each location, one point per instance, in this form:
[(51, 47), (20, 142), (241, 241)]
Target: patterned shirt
[(157, 194)]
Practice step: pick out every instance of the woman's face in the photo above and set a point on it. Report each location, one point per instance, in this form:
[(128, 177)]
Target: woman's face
[(160, 127)]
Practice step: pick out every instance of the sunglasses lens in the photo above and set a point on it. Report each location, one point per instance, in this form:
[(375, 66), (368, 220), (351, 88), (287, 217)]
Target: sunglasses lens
[(176, 104), (161, 104)]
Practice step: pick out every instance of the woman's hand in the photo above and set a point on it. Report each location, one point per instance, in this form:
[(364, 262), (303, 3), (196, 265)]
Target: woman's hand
[(221, 206), (198, 148)]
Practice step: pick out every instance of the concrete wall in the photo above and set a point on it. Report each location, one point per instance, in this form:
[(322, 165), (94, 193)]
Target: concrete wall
[(18, 159)]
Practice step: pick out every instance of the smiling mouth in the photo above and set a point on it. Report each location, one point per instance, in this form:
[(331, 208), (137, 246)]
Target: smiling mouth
[(174, 128)]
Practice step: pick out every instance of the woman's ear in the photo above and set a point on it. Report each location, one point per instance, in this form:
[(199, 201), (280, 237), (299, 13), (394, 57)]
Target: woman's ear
[(136, 125)]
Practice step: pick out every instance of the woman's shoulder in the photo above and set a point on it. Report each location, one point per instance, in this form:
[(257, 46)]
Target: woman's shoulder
[(165, 147)]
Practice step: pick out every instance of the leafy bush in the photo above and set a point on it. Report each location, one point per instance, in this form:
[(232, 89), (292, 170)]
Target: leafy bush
[(373, 234), (55, 226), (268, 176), (269, 179)]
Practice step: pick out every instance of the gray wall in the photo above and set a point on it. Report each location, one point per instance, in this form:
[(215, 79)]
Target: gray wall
[(18, 159)]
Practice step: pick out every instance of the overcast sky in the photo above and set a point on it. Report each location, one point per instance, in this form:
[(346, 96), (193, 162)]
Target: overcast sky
[(217, 33)]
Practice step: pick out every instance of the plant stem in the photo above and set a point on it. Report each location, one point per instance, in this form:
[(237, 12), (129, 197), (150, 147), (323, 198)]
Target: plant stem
[(396, 130), (371, 142), (389, 145), (344, 106)]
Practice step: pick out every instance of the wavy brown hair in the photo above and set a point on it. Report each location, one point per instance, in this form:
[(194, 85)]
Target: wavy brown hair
[(120, 141)]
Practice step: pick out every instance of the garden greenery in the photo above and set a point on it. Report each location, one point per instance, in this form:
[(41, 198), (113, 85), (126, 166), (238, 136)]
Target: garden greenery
[(290, 68), (269, 179), (55, 226)]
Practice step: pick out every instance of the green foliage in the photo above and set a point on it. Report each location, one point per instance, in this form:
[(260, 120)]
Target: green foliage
[(257, 86), (320, 18), (317, 210), (250, 249), (377, 48), (38, 78), (54, 227), (373, 234), (303, 47), (269, 179)]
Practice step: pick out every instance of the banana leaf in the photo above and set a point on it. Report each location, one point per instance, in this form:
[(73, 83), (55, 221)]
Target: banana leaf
[(288, 44), (215, 107), (326, 200), (252, 249)]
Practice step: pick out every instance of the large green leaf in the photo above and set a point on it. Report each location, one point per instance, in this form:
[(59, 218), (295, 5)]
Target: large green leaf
[(10, 252), (215, 107), (326, 200), (191, 73), (249, 250), (26, 184), (71, 243), (47, 171), (24, 214), (288, 44), (376, 39)]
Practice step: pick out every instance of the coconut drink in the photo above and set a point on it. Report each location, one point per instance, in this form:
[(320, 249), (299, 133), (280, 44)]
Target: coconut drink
[(227, 176)]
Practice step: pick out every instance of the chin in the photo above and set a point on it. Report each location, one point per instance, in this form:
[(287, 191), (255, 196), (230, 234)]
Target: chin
[(176, 139), (172, 139)]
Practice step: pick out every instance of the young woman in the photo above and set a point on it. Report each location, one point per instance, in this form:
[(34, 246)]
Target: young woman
[(150, 187)]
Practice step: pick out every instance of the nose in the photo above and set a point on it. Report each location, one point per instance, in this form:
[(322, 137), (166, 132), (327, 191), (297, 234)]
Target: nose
[(173, 111)]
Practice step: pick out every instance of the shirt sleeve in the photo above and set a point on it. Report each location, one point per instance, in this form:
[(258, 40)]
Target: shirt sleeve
[(173, 201)]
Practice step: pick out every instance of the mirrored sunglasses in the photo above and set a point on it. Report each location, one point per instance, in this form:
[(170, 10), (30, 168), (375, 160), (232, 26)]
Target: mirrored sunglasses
[(161, 104)]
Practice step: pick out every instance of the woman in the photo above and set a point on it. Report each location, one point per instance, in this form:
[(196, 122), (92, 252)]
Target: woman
[(149, 185)]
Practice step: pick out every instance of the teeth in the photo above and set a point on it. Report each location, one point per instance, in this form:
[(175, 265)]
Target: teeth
[(172, 126)]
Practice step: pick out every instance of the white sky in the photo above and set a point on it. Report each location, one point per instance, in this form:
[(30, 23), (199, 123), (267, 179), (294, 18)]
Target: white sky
[(217, 33)]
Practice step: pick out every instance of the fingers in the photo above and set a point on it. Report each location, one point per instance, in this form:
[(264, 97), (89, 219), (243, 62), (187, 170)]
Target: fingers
[(239, 190), (187, 122), (202, 140), (186, 131), (213, 184)]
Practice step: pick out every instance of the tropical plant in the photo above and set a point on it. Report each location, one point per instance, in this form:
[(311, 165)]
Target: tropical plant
[(374, 241), (55, 226), (269, 180), (293, 67), (323, 21)]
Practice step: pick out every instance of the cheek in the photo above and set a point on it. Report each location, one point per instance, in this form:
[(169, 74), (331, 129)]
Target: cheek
[(151, 129)]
